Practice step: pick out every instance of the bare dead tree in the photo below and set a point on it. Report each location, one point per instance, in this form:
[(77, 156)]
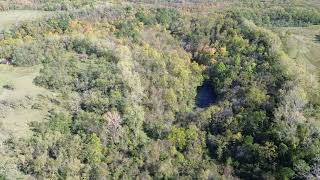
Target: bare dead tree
[(113, 120)]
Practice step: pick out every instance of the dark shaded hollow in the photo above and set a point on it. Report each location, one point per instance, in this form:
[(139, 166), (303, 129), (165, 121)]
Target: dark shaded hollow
[(205, 95)]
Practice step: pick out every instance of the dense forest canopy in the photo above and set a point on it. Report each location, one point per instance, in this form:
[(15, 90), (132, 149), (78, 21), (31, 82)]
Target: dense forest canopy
[(126, 75)]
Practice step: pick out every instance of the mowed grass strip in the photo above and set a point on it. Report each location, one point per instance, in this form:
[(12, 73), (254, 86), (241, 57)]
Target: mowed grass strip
[(303, 45)]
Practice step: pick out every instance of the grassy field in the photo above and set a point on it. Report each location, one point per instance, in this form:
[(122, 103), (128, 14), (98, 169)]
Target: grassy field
[(303, 45), (9, 18), (19, 99)]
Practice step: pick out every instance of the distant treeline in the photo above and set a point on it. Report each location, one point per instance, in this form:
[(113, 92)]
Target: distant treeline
[(281, 16), (48, 5)]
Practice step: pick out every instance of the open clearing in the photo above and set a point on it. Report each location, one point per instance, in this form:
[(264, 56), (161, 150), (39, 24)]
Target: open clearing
[(303, 45), (8, 18), (19, 100)]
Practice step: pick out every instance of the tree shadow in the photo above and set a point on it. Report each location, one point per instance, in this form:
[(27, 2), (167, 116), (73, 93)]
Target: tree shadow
[(317, 39)]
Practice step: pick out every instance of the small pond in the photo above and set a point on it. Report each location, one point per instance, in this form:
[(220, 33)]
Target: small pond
[(205, 95)]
